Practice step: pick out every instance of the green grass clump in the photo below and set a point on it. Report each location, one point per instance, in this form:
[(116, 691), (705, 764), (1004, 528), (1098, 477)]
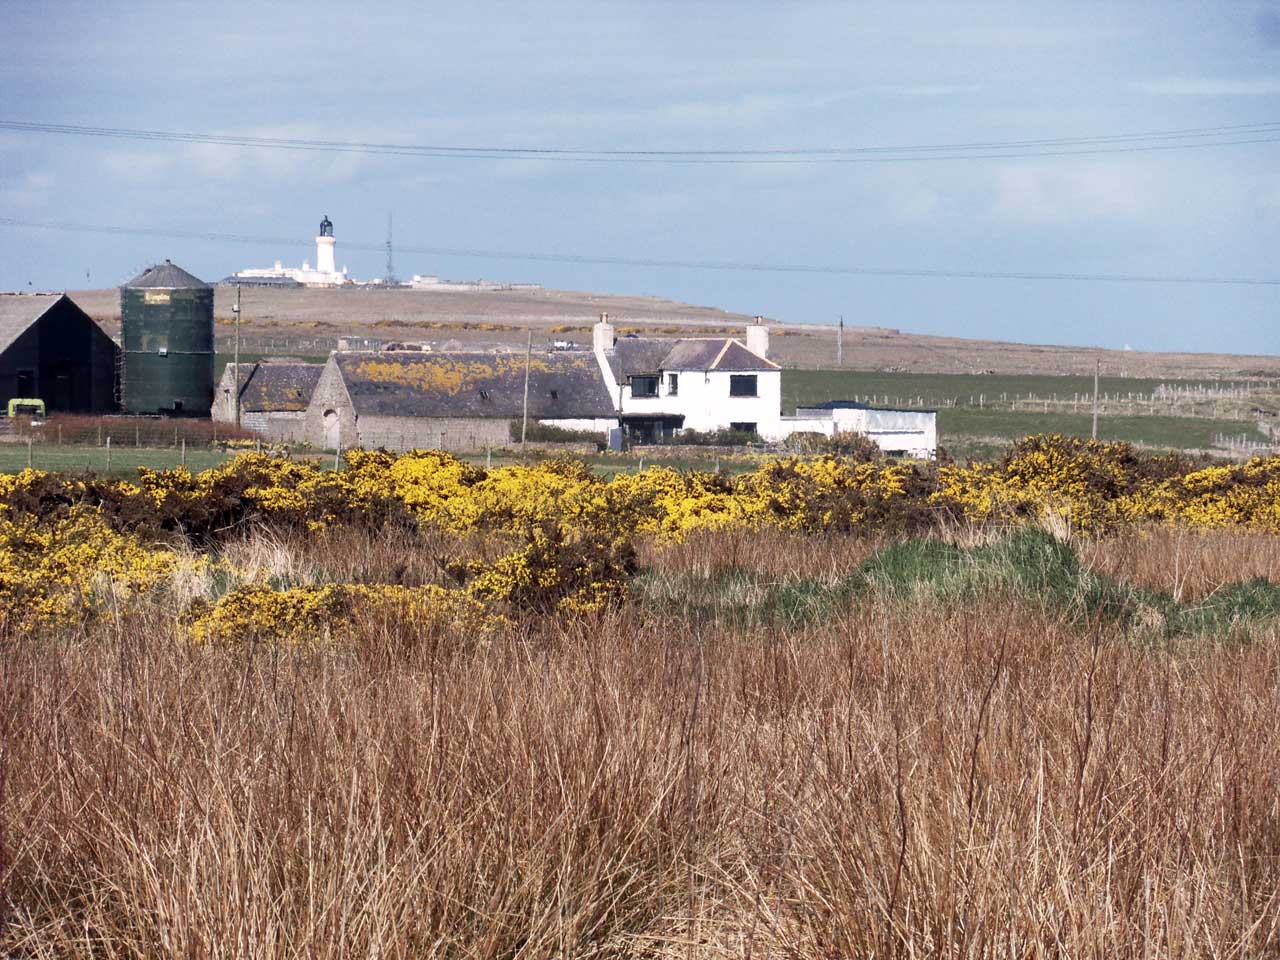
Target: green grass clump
[(1030, 566)]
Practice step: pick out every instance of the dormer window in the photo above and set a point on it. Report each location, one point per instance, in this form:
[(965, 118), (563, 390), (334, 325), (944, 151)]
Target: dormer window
[(484, 394), (644, 386), (555, 394)]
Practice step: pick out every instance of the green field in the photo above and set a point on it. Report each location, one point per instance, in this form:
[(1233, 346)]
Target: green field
[(968, 431), (1152, 431), (124, 460), (800, 387)]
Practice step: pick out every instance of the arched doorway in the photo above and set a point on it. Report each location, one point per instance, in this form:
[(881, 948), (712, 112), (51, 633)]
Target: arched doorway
[(332, 430)]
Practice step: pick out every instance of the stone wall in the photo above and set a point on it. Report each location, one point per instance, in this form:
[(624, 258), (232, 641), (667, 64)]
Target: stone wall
[(457, 434)]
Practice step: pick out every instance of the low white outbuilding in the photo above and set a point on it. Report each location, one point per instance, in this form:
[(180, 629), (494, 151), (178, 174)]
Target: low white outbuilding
[(902, 433)]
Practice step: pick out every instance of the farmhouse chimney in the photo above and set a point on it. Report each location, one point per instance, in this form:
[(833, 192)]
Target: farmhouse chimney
[(758, 337), (602, 334)]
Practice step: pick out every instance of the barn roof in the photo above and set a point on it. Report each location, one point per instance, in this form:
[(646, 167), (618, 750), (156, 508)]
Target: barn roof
[(631, 357), (562, 385), (277, 387), (18, 311), (167, 276)]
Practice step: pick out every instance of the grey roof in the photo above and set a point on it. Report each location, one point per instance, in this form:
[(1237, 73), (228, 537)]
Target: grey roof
[(18, 311), (632, 357), (277, 387), (167, 276), (562, 385)]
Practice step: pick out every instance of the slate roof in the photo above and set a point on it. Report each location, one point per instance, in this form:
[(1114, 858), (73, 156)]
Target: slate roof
[(275, 387), (18, 311), (166, 276), (562, 385), (631, 357)]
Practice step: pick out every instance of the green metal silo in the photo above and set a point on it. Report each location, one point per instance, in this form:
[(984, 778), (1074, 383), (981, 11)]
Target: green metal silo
[(166, 319)]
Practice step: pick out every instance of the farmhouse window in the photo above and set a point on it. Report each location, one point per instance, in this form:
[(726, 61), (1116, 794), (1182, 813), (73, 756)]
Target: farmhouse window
[(742, 385), (673, 385), (741, 427), (644, 386)]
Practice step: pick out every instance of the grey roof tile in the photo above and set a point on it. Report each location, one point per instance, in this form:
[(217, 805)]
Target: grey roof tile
[(277, 387), (561, 385), (166, 276)]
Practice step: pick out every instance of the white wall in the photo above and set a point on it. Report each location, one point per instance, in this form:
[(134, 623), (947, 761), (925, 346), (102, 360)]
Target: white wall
[(703, 399), (912, 431)]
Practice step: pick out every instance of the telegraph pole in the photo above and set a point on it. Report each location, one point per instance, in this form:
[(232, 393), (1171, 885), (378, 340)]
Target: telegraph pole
[(1097, 367), (235, 380), (524, 420)]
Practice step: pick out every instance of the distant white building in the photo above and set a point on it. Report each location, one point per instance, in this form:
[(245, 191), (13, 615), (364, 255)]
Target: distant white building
[(661, 387), (324, 274), (905, 433)]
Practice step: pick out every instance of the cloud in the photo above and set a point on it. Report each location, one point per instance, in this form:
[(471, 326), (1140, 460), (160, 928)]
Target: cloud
[(1067, 194), (1212, 87), (136, 165), (27, 191), (927, 90)]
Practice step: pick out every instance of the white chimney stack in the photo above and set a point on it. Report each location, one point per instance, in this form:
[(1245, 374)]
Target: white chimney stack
[(602, 334), (758, 337)]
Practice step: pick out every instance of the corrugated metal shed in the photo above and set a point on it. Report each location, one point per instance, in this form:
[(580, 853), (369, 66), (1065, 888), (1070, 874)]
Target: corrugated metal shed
[(562, 385)]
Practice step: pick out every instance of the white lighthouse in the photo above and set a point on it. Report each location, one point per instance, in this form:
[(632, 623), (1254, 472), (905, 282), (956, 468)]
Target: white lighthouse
[(324, 248), (325, 273)]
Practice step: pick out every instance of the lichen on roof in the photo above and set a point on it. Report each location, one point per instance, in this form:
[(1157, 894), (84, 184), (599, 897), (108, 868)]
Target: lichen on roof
[(561, 385)]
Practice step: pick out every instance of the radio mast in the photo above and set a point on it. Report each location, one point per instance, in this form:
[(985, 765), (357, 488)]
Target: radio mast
[(390, 279)]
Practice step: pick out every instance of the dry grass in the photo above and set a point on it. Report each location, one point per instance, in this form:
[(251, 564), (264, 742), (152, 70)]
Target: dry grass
[(1189, 563), (897, 781)]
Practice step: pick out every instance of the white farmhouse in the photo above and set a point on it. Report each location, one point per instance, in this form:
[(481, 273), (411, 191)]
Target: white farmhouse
[(661, 387)]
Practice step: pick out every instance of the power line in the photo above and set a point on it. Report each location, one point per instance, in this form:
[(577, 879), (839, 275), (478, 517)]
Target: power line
[(1157, 140), (665, 263)]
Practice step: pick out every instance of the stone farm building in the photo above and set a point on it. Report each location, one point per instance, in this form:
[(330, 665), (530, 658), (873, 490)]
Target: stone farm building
[(451, 401), (274, 396), (51, 350)]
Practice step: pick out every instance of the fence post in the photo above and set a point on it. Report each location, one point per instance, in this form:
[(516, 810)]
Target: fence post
[(184, 451), (30, 439), (108, 453), (137, 437)]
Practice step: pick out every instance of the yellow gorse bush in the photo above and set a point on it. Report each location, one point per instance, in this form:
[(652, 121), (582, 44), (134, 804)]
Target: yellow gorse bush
[(308, 614), (62, 570), (569, 534)]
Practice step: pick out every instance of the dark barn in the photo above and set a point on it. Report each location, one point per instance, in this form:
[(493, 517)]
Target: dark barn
[(53, 351)]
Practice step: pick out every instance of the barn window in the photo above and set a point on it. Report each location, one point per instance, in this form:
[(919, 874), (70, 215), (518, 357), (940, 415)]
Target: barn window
[(555, 394), (742, 385)]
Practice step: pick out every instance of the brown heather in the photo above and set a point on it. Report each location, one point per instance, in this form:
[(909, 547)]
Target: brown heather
[(897, 781)]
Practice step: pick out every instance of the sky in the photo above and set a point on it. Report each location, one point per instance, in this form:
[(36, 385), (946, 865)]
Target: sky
[(657, 75)]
